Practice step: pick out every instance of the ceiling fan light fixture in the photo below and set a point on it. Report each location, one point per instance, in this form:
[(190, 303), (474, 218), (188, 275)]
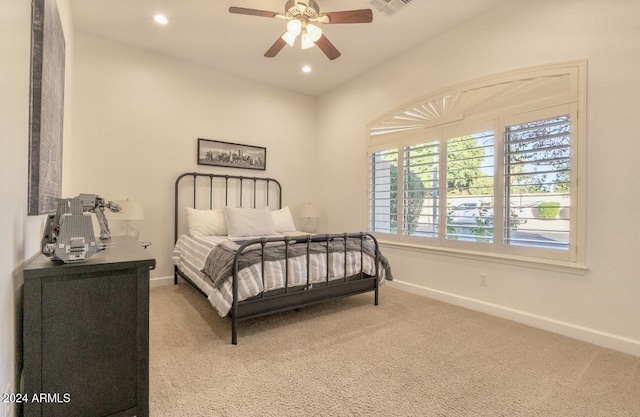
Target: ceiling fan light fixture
[(289, 38), (307, 42), (314, 32), (294, 27)]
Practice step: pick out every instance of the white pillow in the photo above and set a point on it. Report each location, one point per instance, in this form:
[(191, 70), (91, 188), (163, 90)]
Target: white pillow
[(206, 222), (249, 222), (283, 220)]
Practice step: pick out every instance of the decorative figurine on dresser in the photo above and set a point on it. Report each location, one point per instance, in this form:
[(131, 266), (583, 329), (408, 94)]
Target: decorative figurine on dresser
[(68, 234), (86, 325)]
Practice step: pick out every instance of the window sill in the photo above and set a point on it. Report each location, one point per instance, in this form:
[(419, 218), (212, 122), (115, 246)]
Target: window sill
[(534, 263)]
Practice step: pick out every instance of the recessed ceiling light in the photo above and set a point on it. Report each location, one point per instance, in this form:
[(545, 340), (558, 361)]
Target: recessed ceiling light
[(161, 19), (306, 68)]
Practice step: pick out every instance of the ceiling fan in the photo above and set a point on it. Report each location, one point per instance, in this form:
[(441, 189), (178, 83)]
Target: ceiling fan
[(303, 16)]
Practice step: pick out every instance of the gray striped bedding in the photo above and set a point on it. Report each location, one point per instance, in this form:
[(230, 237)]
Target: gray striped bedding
[(190, 254)]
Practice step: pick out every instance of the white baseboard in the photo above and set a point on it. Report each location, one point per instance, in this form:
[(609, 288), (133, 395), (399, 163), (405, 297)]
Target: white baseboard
[(585, 334), (160, 281)]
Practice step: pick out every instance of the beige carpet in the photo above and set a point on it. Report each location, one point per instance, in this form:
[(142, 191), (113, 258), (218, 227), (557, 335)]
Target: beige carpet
[(409, 356)]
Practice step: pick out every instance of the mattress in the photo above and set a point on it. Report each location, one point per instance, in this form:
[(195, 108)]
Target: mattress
[(191, 254)]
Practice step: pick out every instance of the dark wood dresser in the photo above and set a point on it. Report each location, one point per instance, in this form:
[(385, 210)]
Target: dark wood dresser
[(86, 334)]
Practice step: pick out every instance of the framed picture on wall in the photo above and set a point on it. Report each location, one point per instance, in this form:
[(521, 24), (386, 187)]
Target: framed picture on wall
[(232, 155), (47, 104)]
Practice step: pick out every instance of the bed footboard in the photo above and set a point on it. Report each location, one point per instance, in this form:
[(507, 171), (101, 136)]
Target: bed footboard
[(312, 292)]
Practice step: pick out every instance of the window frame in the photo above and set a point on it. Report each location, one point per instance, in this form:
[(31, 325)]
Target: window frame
[(571, 102)]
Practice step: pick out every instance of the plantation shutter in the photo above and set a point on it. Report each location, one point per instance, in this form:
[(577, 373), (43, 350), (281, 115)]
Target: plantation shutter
[(470, 187), (383, 186), (420, 203), (537, 158)]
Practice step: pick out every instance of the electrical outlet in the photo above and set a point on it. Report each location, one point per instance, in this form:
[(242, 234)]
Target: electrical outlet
[(483, 279), (6, 404)]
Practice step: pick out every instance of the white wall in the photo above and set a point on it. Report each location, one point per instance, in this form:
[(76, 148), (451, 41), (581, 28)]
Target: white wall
[(14, 101), (601, 305), (20, 233), (136, 119)]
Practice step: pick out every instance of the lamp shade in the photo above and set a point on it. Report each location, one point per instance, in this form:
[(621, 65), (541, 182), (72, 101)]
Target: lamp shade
[(130, 210), (314, 32), (294, 27), (309, 211), (306, 42)]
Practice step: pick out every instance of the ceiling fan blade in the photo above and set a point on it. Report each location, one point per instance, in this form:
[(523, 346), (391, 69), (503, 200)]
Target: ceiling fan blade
[(252, 12), (275, 48), (327, 47), (348, 16)]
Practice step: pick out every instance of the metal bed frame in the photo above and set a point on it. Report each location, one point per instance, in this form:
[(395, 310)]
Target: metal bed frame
[(290, 297)]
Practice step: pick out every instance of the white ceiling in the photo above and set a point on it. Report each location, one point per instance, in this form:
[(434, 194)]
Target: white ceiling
[(205, 33)]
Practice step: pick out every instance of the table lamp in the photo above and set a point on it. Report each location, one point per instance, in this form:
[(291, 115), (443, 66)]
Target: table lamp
[(131, 210), (309, 212)]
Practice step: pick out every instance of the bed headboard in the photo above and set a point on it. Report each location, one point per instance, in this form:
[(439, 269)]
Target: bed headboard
[(202, 190)]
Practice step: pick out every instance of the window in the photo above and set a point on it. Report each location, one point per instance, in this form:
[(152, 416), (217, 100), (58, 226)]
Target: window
[(470, 187), (503, 180)]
